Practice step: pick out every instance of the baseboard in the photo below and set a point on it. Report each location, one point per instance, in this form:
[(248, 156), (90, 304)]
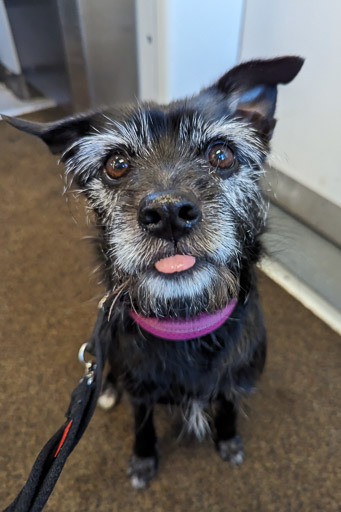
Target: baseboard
[(304, 263), (295, 287), (315, 211)]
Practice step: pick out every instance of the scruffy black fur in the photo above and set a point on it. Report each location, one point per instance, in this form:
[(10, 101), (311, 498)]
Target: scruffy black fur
[(149, 175)]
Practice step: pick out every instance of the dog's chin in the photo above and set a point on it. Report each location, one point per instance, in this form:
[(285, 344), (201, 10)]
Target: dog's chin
[(204, 288)]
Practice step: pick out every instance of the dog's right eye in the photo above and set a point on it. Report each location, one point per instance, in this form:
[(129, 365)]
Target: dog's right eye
[(116, 166)]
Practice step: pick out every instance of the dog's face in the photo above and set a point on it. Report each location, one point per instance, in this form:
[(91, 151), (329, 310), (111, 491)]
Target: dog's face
[(175, 189), (173, 182)]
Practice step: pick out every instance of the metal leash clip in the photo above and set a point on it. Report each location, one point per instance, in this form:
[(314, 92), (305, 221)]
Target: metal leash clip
[(90, 366)]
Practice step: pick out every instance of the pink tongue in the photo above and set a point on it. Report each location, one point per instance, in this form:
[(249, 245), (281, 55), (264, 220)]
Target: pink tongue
[(176, 263)]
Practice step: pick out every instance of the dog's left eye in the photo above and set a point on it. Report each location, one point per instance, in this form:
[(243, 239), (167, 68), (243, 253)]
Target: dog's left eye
[(116, 166), (220, 156)]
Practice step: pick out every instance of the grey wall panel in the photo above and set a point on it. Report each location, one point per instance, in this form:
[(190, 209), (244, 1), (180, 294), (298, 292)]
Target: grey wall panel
[(109, 42), (81, 52)]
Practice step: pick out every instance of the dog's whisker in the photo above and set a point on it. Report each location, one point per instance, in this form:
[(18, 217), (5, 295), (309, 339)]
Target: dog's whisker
[(116, 293)]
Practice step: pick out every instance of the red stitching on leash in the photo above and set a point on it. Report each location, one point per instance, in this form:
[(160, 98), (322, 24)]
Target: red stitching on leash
[(65, 433)]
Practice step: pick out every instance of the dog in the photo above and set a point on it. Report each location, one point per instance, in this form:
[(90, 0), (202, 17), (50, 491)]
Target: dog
[(179, 208)]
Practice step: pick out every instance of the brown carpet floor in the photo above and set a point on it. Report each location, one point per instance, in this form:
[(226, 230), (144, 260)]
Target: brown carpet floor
[(291, 427)]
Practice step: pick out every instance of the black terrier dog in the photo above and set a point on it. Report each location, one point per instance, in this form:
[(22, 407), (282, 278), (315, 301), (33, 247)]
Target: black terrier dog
[(176, 193)]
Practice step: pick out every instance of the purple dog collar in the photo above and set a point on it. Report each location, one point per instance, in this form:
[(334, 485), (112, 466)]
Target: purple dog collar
[(184, 329)]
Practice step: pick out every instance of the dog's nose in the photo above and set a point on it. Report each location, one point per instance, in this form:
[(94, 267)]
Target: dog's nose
[(170, 214)]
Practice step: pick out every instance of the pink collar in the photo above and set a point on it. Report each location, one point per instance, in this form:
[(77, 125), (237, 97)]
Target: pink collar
[(185, 329)]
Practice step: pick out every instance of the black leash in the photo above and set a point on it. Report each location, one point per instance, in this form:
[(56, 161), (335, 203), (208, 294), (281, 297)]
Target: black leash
[(50, 461)]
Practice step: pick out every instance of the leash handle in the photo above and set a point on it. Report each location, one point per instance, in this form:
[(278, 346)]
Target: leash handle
[(51, 459)]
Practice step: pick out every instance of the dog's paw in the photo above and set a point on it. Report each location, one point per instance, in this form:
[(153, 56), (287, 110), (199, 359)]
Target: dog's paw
[(231, 450), (141, 470), (108, 398)]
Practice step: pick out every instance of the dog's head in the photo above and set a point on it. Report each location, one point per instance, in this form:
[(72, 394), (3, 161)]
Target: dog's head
[(175, 188)]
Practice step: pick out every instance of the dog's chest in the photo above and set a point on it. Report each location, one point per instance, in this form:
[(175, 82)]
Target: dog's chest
[(167, 371)]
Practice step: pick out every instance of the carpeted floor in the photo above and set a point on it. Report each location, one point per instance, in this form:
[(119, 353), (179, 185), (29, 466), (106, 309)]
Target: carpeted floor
[(291, 427)]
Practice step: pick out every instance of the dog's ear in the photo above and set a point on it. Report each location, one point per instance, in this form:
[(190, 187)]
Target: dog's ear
[(58, 135), (251, 89)]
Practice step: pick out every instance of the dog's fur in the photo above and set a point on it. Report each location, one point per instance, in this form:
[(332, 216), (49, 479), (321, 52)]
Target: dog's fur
[(167, 151)]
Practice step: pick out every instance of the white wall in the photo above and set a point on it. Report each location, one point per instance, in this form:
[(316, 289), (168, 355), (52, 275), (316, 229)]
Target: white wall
[(307, 140), (184, 45), (203, 42)]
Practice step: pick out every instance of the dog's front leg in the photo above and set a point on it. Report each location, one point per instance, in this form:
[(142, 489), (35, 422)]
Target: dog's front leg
[(143, 463), (110, 393), (228, 442)]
